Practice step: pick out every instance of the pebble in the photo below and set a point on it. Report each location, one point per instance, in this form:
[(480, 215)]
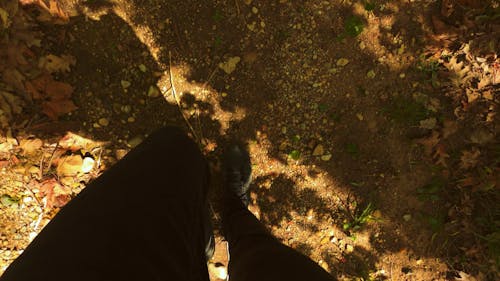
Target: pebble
[(131, 119), (407, 217), (142, 68), (342, 62), (125, 84), (318, 150), (326, 157), (370, 74), (88, 164), (153, 92), (255, 10), (349, 248), (103, 122), (135, 141)]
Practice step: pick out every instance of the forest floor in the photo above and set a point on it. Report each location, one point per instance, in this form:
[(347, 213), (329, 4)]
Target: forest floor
[(372, 125)]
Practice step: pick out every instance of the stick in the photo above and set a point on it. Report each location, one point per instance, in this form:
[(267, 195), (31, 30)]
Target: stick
[(174, 94)]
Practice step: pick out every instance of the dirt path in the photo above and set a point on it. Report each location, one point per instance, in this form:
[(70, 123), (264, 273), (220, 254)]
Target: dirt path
[(354, 145)]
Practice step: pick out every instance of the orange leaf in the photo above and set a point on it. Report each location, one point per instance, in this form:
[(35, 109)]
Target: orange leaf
[(57, 195), (54, 108), (58, 90), (430, 142)]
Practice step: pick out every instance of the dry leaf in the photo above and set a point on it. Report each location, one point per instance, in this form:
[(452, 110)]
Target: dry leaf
[(57, 195), (29, 146), (440, 155), (74, 142), (430, 142), (56, 95), (69, 166), (469, 159), (53, 109), (53, 63), (449, 128)]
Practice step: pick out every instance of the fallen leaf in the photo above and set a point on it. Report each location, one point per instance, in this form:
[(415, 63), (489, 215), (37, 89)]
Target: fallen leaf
[(230, 65), (430, 142), (469, 159), (54, 109), (56, 95), (53, 63), (440, 155), (429, 123), (74, 142), (449, 128), (57, 195), (29, 146), (69, 166)]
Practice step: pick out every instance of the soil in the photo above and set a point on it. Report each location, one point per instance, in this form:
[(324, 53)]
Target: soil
[(289, 93)]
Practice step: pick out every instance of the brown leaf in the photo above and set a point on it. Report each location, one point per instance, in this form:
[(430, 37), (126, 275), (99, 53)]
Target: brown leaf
[(469, 159), (440, 155), (69, 165), (56, 90), (57, 195), (53, 63), (449, 128), (447, 8), (430, 142), (55, 108), (74, 142), (29, 146)]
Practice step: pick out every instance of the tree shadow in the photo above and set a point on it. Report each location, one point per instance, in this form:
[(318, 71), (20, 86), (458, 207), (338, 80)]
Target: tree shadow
[(370, 151)]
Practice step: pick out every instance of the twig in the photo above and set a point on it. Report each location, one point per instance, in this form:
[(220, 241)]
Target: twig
[(174, 94), (209, 79), (52, 156)]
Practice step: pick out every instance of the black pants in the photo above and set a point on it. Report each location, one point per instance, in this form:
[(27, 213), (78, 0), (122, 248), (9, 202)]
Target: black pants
[(143, 220)]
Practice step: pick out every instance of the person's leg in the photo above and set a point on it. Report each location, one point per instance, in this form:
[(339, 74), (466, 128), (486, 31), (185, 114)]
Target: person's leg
[(141, 220), (254, 253)]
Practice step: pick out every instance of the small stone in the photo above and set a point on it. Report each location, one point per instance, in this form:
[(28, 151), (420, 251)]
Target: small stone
[(318, 150), (402, 75), (370, 74), (120, 153), (342, 62), (103, 122), (360, 116), (88, 165), (142, 68), (255, 10), (349, 248), (135, 141), (153, 92), (326, 157), (334, 240), (248, 2), (362, 45), (283, 146), (27, 200), (125, 84), (126, 108), (224, 94), (131, 119), (407, 217)]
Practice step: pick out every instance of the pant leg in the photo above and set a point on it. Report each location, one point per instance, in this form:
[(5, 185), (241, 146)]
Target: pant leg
[(140, 220), (256, 255)]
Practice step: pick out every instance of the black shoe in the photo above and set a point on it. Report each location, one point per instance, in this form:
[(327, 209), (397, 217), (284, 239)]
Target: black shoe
[(237, 172), (209, 236)]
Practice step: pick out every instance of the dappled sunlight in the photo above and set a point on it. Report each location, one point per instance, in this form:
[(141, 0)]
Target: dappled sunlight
[(349, 131)]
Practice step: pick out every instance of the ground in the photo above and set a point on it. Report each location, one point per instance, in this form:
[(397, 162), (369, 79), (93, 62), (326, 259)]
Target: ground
[(372, 125)]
